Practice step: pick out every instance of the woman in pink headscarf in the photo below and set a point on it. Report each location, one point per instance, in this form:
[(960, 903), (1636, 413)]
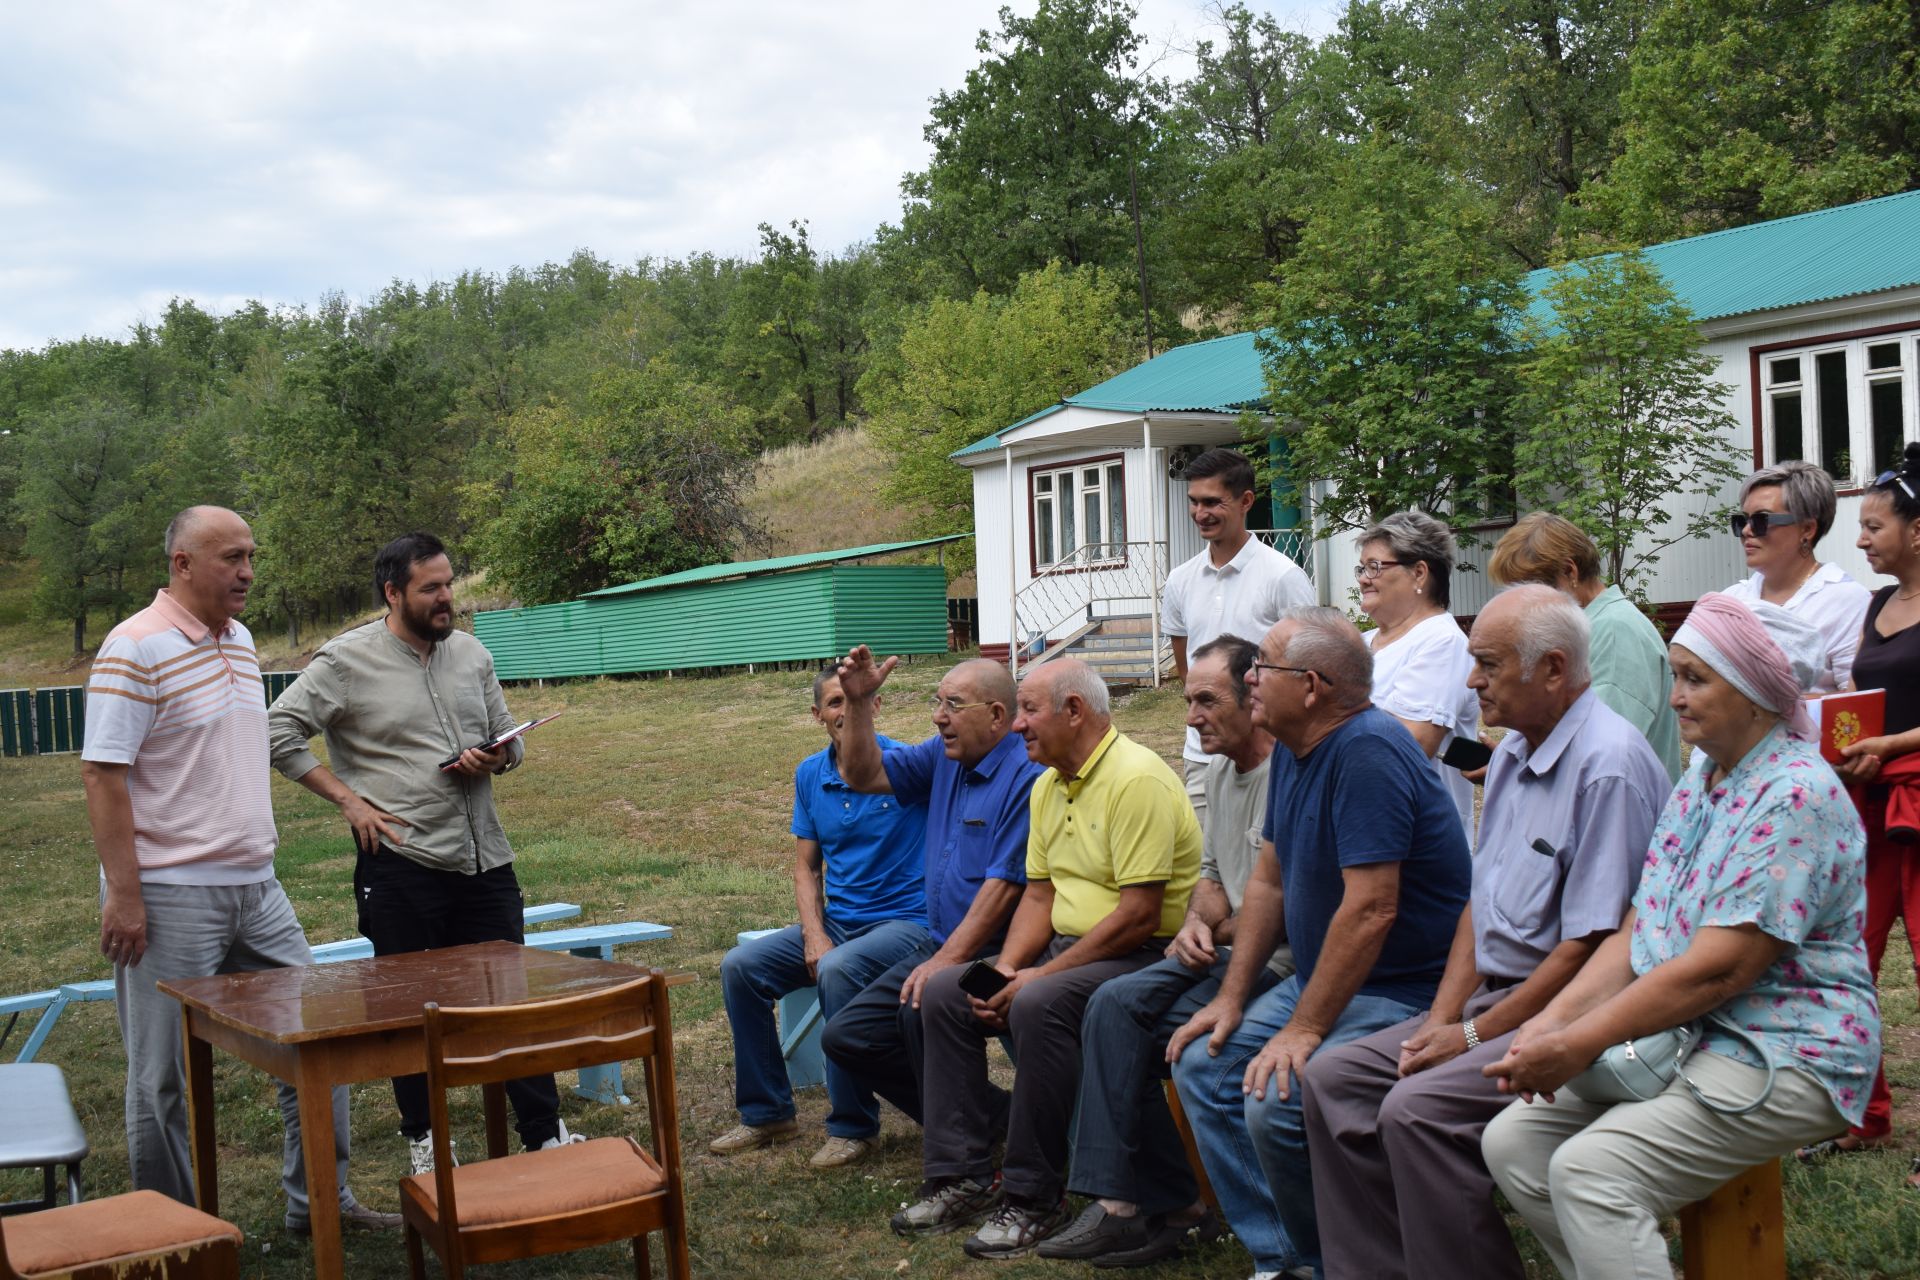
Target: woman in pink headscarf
[(1748, 913)]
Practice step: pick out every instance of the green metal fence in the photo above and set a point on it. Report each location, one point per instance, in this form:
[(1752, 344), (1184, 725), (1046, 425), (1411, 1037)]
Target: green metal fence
[(45, 722)]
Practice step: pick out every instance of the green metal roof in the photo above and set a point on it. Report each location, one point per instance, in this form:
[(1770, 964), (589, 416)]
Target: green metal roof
[(779, 564), (1856, 249)]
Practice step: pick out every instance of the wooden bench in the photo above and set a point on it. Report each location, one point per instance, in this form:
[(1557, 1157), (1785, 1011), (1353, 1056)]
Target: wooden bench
[(1739, 1232), (600, 1084), (799, 1020)]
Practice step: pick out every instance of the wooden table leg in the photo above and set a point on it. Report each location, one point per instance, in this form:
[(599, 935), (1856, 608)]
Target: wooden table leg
[(1739, 1232), (206, 1175), (323, 1191), (1193, 1149)]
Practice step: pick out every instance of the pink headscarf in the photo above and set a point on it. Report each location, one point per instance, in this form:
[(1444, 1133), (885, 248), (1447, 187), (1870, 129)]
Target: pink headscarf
[(1769, 655)]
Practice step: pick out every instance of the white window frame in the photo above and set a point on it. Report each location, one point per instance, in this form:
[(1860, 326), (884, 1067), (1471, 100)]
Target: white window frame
[(1051, 540), (1861, 465)]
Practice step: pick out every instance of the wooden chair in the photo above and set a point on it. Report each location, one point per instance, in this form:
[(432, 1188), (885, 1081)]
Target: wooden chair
[(1739, 1232), (563, 1198), (138, 1236)]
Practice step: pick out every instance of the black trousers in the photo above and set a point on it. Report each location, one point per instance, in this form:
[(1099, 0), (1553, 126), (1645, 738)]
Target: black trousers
[(407, 907)]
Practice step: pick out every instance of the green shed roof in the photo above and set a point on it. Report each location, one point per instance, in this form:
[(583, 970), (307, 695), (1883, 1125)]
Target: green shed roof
[(1856, 249), (779, 564)]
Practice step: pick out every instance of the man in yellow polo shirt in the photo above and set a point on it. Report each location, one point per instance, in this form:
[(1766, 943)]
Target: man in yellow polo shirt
[(1112, 857)]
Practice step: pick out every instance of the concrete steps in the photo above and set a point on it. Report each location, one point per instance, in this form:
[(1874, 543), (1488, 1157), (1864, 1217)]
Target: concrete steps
[(1120, 650)]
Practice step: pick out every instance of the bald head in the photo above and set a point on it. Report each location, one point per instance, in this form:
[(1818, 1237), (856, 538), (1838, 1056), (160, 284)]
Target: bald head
[(190, 528), (1529, 648), (210, 563), (1063, 713), (985, 681)]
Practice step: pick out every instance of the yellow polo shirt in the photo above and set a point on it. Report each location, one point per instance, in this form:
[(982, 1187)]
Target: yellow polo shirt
[(1125, 820)]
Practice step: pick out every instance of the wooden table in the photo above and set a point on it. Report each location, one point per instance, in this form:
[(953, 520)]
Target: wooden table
[(324, 1025)]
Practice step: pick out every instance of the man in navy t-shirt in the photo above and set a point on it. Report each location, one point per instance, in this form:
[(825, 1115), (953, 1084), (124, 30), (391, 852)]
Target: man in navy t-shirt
[(975, 779), (857, 880), (1363, 872)]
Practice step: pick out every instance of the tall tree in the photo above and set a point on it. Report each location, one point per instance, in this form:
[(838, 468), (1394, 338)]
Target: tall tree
[(1743, 110), (963, 370), (645, 478), (1389, 347), (1034, 155), (1623, 424)]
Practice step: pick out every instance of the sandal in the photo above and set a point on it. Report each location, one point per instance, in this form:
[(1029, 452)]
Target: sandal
[(1846, 1144)]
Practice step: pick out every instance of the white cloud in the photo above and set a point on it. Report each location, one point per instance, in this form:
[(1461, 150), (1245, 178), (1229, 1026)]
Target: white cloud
[(225, 151)]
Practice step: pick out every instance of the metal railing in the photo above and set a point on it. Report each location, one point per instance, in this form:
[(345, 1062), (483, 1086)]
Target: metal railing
[(46, 722), (1295, 544), (1099, 580)]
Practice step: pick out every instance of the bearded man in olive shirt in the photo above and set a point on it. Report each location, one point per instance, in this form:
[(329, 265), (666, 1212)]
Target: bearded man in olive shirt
[(394, 699)]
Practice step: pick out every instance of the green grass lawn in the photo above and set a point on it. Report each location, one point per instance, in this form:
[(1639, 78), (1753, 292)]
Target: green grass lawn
[(668, 800)]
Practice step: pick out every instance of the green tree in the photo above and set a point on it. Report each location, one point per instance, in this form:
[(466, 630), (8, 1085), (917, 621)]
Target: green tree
[(1742, 110), (646, 477), (1623, 423), (91, 503), (964, 370), (1388, 347), (1033, 154)]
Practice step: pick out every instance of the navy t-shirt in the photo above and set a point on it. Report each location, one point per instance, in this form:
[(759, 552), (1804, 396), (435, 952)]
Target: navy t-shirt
[(1367, 794)]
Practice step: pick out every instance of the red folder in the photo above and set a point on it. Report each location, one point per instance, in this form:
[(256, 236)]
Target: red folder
[(1845, 718)]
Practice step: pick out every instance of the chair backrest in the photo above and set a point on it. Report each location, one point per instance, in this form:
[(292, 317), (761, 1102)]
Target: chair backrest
[(491, 1045)]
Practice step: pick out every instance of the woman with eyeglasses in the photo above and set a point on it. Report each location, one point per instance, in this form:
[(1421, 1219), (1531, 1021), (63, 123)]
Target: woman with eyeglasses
[(1784, 512), (1884, 771), (1420, 659)]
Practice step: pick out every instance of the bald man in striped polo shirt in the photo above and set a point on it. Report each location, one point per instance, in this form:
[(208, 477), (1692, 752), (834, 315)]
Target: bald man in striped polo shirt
[(176, 773)]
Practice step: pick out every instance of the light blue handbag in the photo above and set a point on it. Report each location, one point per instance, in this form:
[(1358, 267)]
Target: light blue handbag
[(1639, 1069)]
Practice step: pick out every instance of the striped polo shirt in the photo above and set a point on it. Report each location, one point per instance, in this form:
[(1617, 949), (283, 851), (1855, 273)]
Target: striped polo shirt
[(185, 710)]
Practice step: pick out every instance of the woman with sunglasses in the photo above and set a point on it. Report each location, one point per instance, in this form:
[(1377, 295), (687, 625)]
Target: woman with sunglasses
[(1784, 512), (1420, 659), (1884, 771)]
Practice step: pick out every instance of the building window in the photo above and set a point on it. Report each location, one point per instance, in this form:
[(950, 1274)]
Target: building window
[(1079, 513), (1847, 405)]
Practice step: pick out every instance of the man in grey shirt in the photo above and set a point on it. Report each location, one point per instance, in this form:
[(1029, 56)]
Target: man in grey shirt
[(1127, 1154), (394, 699), (1394, 1119)]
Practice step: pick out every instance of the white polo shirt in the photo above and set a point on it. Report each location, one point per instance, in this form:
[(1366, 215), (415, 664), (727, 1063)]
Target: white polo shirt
[(1836, 606), (1244, 597)]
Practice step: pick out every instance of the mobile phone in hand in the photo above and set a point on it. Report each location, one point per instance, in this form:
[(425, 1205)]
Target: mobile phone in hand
[(982, 981), (1466, 755)]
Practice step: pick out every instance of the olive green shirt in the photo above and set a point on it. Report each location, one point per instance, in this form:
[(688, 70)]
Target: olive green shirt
[(389, 719), (1630, 673)]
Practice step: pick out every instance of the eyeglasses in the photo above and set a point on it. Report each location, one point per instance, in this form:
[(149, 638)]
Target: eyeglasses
[(1259, 666), (1373, 569), (1760, 522), (1886, 478), (953, 706)]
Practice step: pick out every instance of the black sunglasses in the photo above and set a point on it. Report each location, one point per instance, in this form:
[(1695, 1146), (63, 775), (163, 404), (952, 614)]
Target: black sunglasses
[(1886, 478), (1760, 522)]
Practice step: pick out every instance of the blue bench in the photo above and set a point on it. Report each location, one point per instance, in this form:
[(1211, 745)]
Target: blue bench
[(600, 1084), (799, 1020)]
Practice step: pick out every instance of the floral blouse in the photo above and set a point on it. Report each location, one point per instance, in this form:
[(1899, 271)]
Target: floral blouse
[(1777, 844)]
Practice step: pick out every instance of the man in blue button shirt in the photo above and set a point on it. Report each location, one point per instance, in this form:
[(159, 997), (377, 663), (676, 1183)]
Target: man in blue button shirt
[(975, 779), (858, 882)]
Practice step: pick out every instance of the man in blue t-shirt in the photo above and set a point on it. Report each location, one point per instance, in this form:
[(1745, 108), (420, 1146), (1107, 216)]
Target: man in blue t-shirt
[(858, 880), (975, 779), (1363, 871)]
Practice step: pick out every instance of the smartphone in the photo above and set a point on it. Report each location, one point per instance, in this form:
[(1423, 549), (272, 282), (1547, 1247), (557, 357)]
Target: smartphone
[(1466, 754), (982, 981)]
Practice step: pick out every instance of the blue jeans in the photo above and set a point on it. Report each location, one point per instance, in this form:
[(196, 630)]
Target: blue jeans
[(753, 976), (1256, 1149)]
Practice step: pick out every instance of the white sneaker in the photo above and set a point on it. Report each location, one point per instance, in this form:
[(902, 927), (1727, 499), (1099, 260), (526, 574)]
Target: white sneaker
[(564, 1140), (420, 1153)]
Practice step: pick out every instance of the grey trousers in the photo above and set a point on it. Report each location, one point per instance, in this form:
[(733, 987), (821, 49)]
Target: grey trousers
[(961, 1102), (194, 931), (1194, 774), (1398, 1181), (1593, 1181)]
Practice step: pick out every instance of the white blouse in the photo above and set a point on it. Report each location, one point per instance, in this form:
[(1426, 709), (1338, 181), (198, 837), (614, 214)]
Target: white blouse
[(1834, 604), (1422, 677)]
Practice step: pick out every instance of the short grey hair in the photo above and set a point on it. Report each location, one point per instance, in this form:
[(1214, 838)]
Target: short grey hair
[(1416, 537), (1071, 678), (181, 528), (1805, 488), (1326, 641), (1547, 620)]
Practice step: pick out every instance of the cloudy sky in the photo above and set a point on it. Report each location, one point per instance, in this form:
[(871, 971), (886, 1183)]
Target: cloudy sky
[(223, 150)]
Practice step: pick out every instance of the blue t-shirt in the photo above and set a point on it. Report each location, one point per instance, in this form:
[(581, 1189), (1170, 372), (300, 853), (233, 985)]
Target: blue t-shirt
[(976, 820), (872, 847), (1366, 794)]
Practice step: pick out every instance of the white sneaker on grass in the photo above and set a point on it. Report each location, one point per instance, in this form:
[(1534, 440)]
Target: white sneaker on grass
[(420, 1153), (563, 1139)]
